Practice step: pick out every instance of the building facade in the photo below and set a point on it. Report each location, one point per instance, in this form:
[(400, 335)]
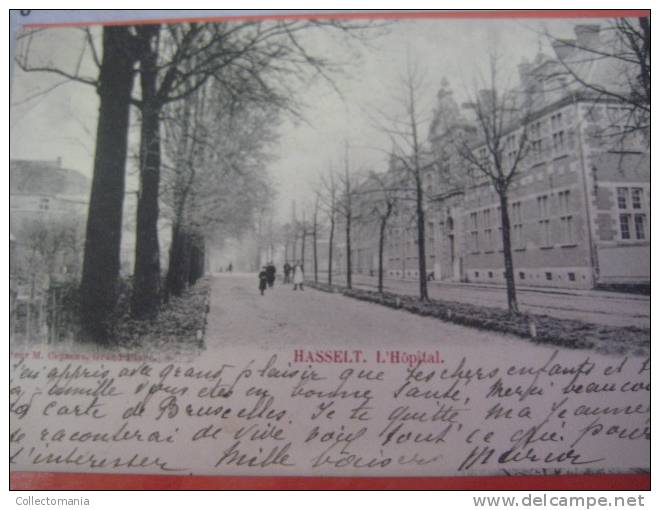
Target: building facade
[(579, 203)]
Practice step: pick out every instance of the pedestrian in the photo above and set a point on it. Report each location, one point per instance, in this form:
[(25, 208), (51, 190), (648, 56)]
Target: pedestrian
[(230, 267), (263, 280), (298, 276), (287, 272), (270, 273)]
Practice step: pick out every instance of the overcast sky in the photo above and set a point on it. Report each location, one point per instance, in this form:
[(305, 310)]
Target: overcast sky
[(62, 122)]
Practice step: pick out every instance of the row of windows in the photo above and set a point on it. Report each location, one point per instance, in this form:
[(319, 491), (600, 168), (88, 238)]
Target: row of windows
[(485, 230), (537, 143), (518, 241), (549, 275)]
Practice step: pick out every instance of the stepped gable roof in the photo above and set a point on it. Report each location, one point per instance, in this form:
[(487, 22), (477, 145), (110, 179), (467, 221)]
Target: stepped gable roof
[(46, 177)]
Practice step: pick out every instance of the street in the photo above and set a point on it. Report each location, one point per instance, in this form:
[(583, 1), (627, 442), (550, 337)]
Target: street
[(284, 318), (598, 307)]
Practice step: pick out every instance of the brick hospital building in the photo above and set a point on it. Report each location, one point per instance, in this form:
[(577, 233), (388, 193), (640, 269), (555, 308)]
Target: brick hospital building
[(579, 206)]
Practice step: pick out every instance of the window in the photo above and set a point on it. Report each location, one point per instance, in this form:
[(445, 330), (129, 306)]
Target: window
[(548, 276), (542, 202), (536, 147), (640, 229), (521, 275), (622, 197), (474, 233), (571, 276), (536, 142), (557, 125), (44, 204), (490, 274), (632, 219), (516, 213), (637, 198), (544, 220), (624, 225), (482, 155), (566, 218), (488, 231), (510, 147)]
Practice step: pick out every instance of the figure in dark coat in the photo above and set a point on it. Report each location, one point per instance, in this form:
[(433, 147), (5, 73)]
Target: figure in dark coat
[(287, 272), (263, 280), (270, 274)]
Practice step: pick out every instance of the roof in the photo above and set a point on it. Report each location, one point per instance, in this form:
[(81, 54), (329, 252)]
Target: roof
[(46, 177)]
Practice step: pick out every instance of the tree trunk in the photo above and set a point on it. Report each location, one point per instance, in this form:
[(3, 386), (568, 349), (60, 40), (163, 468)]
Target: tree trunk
[(98, 288), (349, 268), (381, 249), (196, 259), (421, 242), (302, 249), (330, 244), (508, 255), (179, 263), (146, 277), (315, 252)]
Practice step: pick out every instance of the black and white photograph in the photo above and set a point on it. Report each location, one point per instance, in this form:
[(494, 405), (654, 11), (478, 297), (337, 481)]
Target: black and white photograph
[(331, 245)]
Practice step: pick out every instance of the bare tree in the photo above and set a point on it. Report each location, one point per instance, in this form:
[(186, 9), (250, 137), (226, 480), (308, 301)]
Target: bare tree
[(612, 63), (502, 119), (328, 198), (345, 206), (315, 234), (384, 196), (99, 285), (265, 57), (215, 183), (408, 154)]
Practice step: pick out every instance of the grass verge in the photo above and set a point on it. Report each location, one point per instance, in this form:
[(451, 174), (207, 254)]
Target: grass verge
[(538, 328)]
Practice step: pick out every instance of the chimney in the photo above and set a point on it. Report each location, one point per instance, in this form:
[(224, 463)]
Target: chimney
[(564, 48), (588, 36)]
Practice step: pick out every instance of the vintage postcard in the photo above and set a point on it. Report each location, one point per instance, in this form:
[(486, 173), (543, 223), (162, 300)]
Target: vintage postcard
[(356, 244)]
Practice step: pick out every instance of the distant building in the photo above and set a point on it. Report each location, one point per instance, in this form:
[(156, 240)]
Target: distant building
[(48, 208), (44, 189), (579, 207)]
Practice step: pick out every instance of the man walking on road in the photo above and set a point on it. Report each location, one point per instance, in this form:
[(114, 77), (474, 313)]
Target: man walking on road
[(270, 274), (287, 272), (263, 280)]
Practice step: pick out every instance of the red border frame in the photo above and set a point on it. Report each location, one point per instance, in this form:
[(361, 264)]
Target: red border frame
[(93, 481), (376, 14), (21, 480)]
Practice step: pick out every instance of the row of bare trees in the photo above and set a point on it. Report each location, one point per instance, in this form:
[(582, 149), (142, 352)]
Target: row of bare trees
[(159, 70), (497, 146), (206, 88)]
